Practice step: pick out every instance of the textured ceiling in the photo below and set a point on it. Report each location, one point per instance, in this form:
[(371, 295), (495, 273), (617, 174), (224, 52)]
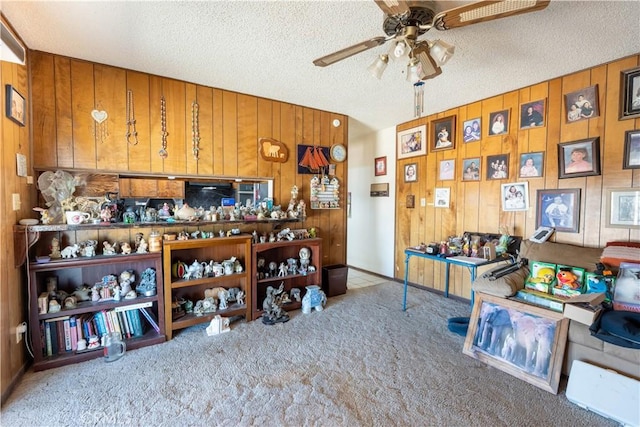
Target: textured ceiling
[(266, 48)]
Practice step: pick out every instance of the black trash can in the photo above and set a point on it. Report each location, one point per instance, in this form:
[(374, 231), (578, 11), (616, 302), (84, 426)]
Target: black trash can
[(334, 279)]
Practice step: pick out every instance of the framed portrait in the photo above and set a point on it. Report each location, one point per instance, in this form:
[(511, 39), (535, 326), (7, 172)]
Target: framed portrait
[(381, 166), (520, 339), (411, 172), (443, 133), (412, 142), (559, 209), (472, 130), (447, 170), (515, 196), (441, 197), (582, 104), (498, 166), (579, 158), (499, 122), (16, 107), (631, 150), (471, 169), (411, 201), (630, 94), (623, 208), (531, 165), (532, 114)]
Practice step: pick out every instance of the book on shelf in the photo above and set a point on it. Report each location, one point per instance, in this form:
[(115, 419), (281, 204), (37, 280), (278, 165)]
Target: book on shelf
[(66, 325), (60, 333), (126, 333), (150, 318), (49, 347), (73, 325)]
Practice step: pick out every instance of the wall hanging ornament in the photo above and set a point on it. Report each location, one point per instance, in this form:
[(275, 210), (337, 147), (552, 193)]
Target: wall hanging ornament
[(195, 130), (131, 120), (163, 126), (418, 98), (100, 127)]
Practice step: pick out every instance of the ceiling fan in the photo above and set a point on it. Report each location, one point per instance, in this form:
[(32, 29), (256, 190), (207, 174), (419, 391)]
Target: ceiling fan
[(406, 20)]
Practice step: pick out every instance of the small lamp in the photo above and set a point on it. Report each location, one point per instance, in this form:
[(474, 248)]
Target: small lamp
[(379, 65)]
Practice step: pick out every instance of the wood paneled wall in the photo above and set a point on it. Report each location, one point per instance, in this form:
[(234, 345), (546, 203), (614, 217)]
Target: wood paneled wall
[(476, 206), (15, 139), (65, 136)]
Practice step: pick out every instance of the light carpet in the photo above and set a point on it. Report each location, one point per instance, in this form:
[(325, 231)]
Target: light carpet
[(360, 362)]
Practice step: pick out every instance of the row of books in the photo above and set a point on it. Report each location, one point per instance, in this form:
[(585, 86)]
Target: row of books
[(61, 334)]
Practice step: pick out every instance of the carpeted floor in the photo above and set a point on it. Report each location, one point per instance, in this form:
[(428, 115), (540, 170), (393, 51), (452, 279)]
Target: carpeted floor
[(360, 362)]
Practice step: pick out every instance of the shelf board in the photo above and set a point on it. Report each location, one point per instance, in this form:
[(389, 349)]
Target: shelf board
[(182, 283), (191, 319), (90, 307), (149, 338), (57, 264), (287, 277)]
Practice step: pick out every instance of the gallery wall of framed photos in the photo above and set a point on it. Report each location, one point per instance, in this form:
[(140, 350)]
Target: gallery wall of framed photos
[(545, 144)]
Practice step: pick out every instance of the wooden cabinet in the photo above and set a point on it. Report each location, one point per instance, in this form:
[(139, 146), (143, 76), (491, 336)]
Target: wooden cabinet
[(52, 333), (217, 249), (280, 252), (156, 188)]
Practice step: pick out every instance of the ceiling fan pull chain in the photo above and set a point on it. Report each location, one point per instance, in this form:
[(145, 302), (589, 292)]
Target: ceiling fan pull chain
[(163, 126), (195, 130), (131, 120)]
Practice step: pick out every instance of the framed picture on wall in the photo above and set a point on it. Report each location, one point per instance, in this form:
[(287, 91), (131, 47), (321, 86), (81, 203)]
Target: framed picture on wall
[(411, 172), (499, 122), (494, 321), (531, 165), (381, 166), (447, 170), (630, 94), (631, 150), (515, 196), (472, 130), (443, 133), (441, 197), (559, 209), (412, 142), (16, 105), (498, 166), (623, 208), (471, 169), (532, 114), (579, 158), (582, 104)]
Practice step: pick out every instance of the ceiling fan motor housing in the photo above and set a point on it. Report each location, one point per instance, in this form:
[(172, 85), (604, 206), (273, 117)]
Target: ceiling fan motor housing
[(418, 16)]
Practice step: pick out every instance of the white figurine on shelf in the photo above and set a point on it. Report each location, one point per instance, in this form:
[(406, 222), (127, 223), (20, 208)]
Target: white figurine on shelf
[(125, 248), (70, 251), (108, 248), (240, 297), (282, 269), (142, 246)]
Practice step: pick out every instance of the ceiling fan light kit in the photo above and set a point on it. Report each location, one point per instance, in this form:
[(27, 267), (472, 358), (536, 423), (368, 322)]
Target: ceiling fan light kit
[(405, 21)]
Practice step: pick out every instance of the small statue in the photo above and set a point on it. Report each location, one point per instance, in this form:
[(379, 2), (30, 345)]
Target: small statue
[(301, 208), (55, 249), (108, 248), (240, 297), (222, 298), (272, 306), (282, 270), (142, 247), (125, 248), (95, 294), (70, 251), (273, 266), (147, 285), (105, 214), (165, 210), (136, 242), (45, 218), (116, 293), (294, 192)]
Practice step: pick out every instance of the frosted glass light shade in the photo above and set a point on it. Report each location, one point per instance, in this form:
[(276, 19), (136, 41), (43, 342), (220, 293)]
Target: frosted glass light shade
[(441, 52), (379, 65)]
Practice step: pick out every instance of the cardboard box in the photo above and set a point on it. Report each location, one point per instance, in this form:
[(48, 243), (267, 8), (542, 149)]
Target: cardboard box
[(583, 308)]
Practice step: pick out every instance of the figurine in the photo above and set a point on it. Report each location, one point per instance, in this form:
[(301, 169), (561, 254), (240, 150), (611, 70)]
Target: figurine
[(108, 248), (70, 251), (105, 214), (295, 294), (95, 294), (294, 192), (273, 266), (147, 285), (136, 242), (305, 255), (55, 248), (125, 248), (313, 298), (301, 208), (282, 270), (165, 210), (272, 306), (54, 306), (142, 247), (222, 297), (218, 325), (240, 297), (116, 293), (45, 218)]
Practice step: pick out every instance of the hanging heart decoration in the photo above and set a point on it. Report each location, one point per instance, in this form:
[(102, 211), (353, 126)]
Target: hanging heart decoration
[(99, 115)]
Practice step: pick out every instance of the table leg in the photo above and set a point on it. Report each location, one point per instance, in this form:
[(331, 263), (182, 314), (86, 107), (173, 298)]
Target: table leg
[(406, 278), (446, 281), (473, 278)]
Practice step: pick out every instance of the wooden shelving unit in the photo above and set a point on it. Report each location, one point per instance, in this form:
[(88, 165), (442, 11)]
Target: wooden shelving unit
[(72, 273), (205, 250), (280, 252)]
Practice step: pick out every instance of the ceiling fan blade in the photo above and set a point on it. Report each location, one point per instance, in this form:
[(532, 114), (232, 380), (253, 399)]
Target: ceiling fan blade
[(393, 7), (485, 11), (349, 51)]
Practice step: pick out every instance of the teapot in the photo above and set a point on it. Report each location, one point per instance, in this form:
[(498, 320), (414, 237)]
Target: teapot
[(186, 212)]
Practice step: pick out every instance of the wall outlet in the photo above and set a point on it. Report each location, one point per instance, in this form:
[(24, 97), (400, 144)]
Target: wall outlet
[(20, 329), (423, 202)]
